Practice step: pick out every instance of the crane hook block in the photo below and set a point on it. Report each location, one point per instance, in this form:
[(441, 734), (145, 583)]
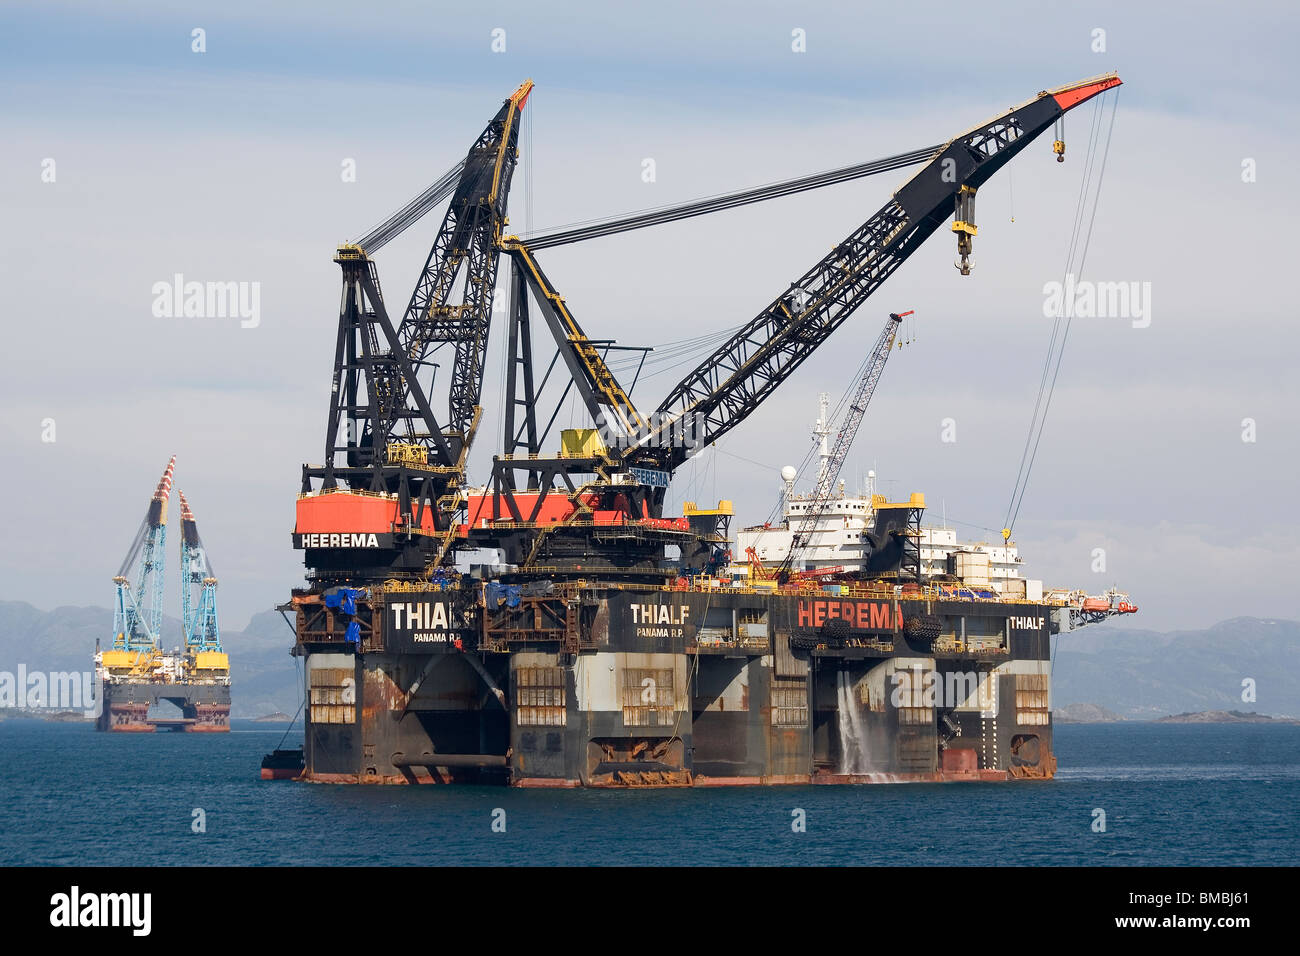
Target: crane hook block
[(964, 226), (1058, 148)]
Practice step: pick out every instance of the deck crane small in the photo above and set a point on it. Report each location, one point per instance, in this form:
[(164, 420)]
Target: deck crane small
[(820, 501)]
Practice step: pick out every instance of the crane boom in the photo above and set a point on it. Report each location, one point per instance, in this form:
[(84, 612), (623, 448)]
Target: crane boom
[(734, 380), (137, 626), (198, 622), (467, 244), (830, 472)]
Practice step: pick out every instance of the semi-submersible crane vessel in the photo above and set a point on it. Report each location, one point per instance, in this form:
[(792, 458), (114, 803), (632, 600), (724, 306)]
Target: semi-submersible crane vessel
[(136, 672), (611, 644)]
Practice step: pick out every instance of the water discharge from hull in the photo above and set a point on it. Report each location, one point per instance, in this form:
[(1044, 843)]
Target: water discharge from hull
[(854, 755)]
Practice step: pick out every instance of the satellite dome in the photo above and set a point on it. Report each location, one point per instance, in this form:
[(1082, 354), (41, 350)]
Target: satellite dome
[(788, 473)]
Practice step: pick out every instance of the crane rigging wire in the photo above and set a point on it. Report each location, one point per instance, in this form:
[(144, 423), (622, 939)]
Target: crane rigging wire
[(529, 125), (663, 359), (1047, 388), (383, 233), (1056, 323), (668, 350), (1082, 259), (595, 228)]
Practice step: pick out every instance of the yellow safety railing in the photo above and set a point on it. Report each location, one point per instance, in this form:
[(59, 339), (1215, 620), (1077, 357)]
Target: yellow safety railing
[(403, 453)]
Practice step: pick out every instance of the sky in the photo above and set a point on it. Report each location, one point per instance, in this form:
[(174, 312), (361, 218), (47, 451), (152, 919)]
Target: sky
[(226, 165)]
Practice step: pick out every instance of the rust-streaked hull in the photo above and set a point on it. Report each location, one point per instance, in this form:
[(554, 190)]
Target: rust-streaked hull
[(629, 687)]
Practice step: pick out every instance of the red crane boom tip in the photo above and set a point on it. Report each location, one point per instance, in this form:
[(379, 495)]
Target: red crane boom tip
[(520, 96), (165, 482), (1068, 97)]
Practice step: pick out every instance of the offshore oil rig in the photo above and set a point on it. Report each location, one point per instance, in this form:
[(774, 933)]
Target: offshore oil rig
[(606, 642), (136, 673)]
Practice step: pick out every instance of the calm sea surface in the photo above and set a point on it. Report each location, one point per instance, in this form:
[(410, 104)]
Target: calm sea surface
[(1172, 795)]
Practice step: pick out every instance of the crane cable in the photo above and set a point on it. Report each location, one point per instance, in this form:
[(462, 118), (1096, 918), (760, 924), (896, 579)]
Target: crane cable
[(1047, 387), (666, 357), (592, 229), (383, 233), (529, 124), (1038, 417), (1056, 324)]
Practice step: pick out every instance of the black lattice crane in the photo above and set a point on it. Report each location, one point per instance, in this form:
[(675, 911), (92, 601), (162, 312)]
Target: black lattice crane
[(383, 435)]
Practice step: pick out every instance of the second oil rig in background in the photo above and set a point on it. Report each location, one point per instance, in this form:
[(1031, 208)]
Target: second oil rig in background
[(136, 673)]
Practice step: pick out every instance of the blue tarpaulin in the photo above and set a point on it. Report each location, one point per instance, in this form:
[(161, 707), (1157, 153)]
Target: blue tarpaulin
[(497, 593), (353, 633), (344, 599)]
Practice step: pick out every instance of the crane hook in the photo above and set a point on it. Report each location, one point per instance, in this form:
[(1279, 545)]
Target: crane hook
[(964, 226)]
